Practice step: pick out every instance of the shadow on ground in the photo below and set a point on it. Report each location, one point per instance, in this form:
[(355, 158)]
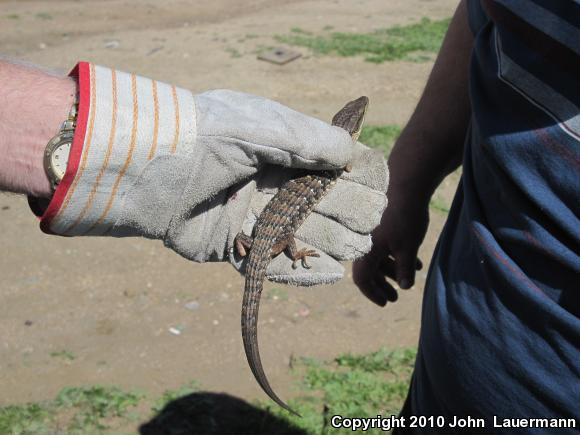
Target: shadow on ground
[(211, 413)]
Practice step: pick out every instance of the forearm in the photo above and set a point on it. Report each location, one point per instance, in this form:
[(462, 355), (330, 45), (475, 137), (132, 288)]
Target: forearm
[(431, 145), (34, 104)]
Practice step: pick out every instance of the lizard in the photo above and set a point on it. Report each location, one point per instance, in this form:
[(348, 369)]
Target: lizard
[(274, 232)]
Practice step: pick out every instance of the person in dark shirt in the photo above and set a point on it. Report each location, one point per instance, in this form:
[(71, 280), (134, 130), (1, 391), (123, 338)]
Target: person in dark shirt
[(500, 327)]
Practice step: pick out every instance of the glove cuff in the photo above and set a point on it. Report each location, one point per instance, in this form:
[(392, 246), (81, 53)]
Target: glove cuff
[(124, 122)]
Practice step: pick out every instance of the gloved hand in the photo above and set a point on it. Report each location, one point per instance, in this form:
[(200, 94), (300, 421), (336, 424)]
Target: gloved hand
[(241, 137), (338, 228), (230, 156)]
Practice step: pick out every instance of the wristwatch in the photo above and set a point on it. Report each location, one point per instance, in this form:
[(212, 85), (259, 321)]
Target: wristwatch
[(56, 156), (58, 148)]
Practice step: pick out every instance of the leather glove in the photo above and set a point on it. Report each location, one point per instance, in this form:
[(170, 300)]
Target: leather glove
[(216, 155)]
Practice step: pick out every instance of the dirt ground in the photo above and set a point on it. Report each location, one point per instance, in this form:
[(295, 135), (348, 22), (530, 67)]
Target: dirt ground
[(109, 303)]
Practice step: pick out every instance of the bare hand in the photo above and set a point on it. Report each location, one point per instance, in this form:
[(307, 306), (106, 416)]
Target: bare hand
[(395, 244)]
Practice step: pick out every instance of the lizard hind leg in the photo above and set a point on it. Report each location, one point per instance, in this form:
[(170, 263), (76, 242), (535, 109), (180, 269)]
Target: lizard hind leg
[(243, 244), (301, 254)]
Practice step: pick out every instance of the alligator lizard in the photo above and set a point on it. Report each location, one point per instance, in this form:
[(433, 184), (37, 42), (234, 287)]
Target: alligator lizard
[(274, 233)]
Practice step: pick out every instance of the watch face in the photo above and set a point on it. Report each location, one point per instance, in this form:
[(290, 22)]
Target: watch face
[(59, 159)]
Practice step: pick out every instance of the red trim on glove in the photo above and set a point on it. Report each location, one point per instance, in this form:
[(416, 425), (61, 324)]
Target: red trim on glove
[(82, 73)]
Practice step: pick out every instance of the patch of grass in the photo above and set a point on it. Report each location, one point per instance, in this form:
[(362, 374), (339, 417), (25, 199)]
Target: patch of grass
[(13, 16), (383, 360), (262, 49), (437, 203), (380, 136), (31, 418), (410, 42), (351, 384), (354, 385), (94, 404), (171, 395), (64, 354), (75, 410), (43, 16), (234, 52), (300, 31)]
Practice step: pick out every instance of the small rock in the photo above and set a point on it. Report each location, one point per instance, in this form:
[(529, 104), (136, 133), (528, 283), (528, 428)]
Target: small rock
[(175, 331), (193, 305), (42, 45), (28, 322), (112, 44), (216, 322), (154, 50), (303, 312)]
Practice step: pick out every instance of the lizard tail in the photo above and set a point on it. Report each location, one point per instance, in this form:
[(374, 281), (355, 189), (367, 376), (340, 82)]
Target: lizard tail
[(250, 307)]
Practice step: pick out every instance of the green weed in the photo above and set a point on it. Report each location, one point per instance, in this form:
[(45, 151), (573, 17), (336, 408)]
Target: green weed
[(410, 42), (350, 384), (93, 405), (437, 203), (64, 354), (31, 418), (169, 396), (44, 16), (234, 52), (380, 136), (361, 385)]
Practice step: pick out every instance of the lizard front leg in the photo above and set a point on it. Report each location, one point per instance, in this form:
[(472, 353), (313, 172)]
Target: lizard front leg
[(243, 244)]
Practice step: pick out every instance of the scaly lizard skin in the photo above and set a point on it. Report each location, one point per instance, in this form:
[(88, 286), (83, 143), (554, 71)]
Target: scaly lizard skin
[(274, 233)]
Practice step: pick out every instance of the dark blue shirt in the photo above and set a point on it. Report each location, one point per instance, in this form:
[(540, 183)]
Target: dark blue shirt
[(500, 332)]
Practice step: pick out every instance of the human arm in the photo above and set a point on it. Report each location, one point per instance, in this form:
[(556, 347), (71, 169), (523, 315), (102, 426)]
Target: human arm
[(429, 148), (34, 104), (150, 159)]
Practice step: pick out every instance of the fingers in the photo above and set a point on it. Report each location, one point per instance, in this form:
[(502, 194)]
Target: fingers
[(264, 131), (369, 279), (369, 168), (364, 190), (400, 270), (333, 238), (405, 270), (353, 205), (370, 275)]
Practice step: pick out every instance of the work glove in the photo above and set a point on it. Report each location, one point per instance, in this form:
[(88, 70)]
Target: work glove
[(218, 158)]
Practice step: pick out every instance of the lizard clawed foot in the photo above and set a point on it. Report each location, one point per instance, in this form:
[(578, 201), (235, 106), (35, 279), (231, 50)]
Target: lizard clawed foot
[(243, 243), (302, 255)]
